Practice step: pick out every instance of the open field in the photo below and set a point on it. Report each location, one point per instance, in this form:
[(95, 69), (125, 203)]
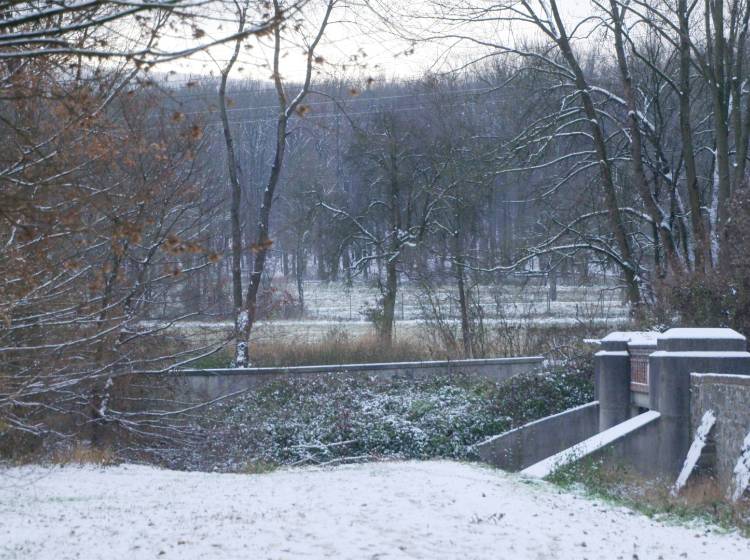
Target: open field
[(332, 305), (431, 510), (338, 301)]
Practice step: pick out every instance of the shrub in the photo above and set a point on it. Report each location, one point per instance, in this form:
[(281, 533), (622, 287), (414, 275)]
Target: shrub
[(721, 297), (707, 300), (80, 454), (341, 418)]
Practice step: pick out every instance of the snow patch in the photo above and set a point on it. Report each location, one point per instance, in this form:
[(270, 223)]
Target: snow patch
[(721, 376), (742, 470), (701, 354), (644, 338), (691, 333), (633, 338), (696, 448), (432, 510), (242, 321)]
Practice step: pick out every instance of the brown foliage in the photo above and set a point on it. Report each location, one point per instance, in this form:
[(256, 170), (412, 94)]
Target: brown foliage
[(97, 195), (720, 298)]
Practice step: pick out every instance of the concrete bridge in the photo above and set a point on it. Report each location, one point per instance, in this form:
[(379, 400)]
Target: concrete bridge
[(666, 404)]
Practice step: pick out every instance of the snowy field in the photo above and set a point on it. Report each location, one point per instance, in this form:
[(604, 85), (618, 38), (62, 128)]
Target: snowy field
[(331, 305), (337, 301), (430, 510)]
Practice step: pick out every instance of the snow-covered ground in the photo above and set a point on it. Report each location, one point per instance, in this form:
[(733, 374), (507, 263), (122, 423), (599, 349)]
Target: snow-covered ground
[(314, 330), (332, 305), (435, 509), (338, 301)]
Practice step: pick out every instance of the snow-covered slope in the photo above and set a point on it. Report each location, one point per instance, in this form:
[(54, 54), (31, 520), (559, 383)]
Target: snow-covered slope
[(435, 509)]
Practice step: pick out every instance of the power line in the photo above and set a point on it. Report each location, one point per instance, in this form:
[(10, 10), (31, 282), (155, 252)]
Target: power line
[(361, 99), (337, 114)]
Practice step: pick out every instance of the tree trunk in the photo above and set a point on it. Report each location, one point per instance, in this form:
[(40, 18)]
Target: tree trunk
[(389, 303), (463, 304), (240, 318), (721, 126), (627, 263), (263, 242), (741, 127), (636, 148), (458, 270), (702, 256), (552, 287), (300, 267)]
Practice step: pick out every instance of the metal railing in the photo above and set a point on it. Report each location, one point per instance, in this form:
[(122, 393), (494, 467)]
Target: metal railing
[(639, 371)]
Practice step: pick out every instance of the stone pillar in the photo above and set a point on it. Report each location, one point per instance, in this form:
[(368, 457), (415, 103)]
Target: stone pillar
[(613, 380), (681, 352)]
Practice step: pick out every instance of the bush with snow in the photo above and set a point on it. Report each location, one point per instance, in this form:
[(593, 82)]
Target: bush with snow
[(342, 418)]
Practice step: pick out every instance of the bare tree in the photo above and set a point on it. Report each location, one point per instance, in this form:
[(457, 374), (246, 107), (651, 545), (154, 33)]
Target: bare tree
[(101, 210), (102, 206), (402, 196), (288, 106), (233, 166), (88, 28)]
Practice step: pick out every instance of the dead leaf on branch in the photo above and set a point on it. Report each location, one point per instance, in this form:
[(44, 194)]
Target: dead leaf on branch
[(196, 132), (261, 246)]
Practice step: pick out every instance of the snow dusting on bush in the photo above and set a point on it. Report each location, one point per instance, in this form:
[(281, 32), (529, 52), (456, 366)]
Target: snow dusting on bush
[(342, 418)]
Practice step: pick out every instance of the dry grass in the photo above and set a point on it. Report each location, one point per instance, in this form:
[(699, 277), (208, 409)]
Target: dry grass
[(702, 498), (337, 347), (82, 454), (79, 453)]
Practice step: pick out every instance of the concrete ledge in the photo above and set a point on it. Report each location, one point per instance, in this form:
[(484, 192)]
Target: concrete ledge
[(621, 438), (191, 385), (453, 365), (523, 446), (707, 339), (720, 379), (714, 354)]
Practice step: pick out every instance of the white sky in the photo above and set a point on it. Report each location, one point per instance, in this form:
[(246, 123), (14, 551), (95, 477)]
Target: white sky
[(359, 43)]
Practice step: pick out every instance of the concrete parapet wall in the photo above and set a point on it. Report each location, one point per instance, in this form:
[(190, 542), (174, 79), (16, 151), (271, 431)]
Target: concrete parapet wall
[(670, 382), (729, 397), (613, 386), (528, 444), (208, 384), (627, 443), (706, 339), (673, 372), (637, 447)]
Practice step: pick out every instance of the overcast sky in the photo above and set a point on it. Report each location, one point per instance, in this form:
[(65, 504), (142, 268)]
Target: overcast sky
[(371, 39)]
